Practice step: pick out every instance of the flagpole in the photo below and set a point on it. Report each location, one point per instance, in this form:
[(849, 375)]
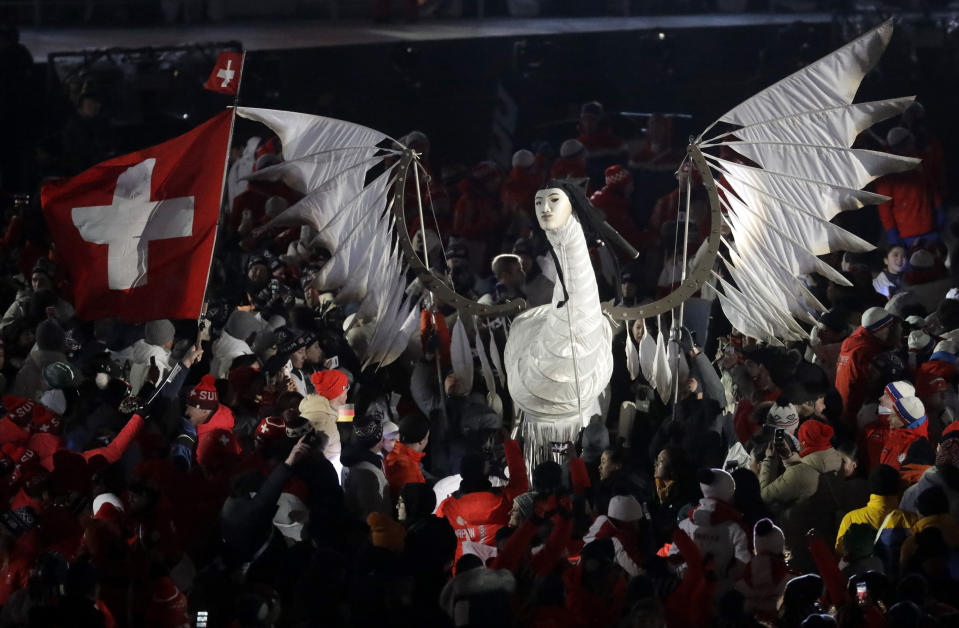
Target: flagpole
[(219, 213)]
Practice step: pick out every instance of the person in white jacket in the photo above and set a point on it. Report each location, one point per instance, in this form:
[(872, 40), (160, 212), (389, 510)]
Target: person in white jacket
[(715, 526), (238, 334), (153, 349)]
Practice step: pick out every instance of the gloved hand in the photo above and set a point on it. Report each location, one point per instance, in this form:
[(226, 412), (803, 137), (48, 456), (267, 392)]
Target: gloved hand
[(132, 405), (687, 342)]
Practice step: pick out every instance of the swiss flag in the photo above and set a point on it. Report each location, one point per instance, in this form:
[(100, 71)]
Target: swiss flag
[(136, 233), (225, 77)]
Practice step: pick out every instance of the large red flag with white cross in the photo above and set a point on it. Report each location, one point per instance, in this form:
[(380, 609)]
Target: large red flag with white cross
[(136, 233)]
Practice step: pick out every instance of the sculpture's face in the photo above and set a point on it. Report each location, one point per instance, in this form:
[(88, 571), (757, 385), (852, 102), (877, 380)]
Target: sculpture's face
[(552, 208)]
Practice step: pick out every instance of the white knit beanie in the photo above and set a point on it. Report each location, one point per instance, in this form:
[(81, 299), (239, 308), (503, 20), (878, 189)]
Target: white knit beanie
[(768, 538), (946, 346), (899, 390), (783, 417), (918, 340), (570, 148), (106, 498), (876, 318), (624, 508), (523, 158), (717, 484)]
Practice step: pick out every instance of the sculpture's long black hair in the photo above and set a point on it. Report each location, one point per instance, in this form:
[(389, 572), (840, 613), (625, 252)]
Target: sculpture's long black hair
[(592, 221)]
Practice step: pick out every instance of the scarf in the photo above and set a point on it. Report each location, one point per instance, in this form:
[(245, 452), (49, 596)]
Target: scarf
[(663, 488), (712, 512), (765, 570)]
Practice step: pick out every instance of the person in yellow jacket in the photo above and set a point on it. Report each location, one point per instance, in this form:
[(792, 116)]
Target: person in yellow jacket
[(933, 507), (320, 409), (882, 512)]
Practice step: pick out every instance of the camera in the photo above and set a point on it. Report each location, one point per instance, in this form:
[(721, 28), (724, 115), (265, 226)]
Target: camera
[(559, 448), (780, 436)]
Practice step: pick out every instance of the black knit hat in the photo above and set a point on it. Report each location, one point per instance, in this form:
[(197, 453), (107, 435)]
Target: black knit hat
[(290, 340), (414, 428), (17, 522), (50, 336), (367, 431), (932, 501), (884, 480)]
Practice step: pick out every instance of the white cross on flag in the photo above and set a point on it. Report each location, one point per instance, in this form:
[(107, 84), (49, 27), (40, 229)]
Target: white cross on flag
[(225, 77), (136, 232)]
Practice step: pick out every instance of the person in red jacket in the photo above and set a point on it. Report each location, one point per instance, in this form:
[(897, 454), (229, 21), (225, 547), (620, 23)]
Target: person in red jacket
[(204, 415), (887, 440), (477, 211), (941, 364), (596, 587), (913, 211), (521, 184), (477, 510), (614, 201), (403, 462), (571, 163), (876, 333)]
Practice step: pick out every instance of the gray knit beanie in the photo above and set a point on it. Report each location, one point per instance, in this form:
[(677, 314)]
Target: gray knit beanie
[(242, 324), (158, 333)]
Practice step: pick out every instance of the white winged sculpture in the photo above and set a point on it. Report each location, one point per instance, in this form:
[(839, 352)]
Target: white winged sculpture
[(796, 169)]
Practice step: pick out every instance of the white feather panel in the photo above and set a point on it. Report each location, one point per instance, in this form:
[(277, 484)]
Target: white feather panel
[(834, 126), (818, 235), (849, 167), (460, 353), (335, 207), (748, 228), (496, 357), (664, 374), (789, 290), (341, 144), (647, 356), (744, 321), (484, 362), (833, 80), (401, 336), (632, 356), (818, 197)]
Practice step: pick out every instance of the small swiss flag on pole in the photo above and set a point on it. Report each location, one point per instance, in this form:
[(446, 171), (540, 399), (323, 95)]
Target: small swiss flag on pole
[(136, 233), (225, 77)]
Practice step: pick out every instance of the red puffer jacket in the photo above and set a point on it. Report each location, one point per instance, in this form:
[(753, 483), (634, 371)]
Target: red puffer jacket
[(476, 516), (852, 370), (883, 445)]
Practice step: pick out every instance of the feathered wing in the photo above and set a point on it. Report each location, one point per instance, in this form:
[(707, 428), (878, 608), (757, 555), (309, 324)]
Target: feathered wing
[(799, 171), (346, 173)]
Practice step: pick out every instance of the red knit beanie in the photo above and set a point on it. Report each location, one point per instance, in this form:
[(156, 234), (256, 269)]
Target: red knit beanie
[(270, 429), (203, 395), (330, 383), (618, 177), (218, 450), (19, 410), (814, 436), (168, 606)]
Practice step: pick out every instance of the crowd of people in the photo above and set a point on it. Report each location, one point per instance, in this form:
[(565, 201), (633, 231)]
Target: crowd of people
[(245, 470)]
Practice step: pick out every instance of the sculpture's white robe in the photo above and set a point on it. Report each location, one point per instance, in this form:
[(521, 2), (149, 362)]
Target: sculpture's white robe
[(559, 359)]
